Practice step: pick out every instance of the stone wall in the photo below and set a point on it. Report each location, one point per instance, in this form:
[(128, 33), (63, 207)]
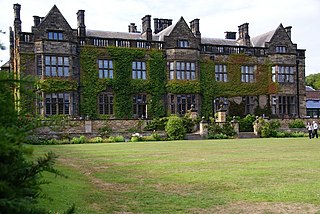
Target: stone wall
[(90, 128)]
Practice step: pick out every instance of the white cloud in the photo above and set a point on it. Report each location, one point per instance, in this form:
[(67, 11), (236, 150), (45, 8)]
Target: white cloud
[(216, 17)]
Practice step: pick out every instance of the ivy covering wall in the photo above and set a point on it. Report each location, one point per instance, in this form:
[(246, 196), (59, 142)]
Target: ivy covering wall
[(156, 86), (211, 89), (122, 85)]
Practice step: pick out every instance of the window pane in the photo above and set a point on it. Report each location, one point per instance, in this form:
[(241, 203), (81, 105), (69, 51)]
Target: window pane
[(171, 65), (66, 71), (60, 71), (47, 60), (48, 71), (66, 61), (193, 67), (60, 61)]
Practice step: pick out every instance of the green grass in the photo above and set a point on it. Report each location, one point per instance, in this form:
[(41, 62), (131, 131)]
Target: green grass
[(184, 176)]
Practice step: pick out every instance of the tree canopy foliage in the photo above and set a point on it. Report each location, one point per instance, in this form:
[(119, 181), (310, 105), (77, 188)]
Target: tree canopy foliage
[(20, 175), (313, 80)]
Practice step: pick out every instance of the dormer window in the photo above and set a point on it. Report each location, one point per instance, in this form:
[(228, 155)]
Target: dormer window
[(183, 43), (55, 35), (281, 49)]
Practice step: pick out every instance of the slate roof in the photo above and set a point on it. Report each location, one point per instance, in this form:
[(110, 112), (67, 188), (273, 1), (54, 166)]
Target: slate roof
[(213, 41), (259, 41), (309, 88), (165, 32), (312, 104), (111, 34)]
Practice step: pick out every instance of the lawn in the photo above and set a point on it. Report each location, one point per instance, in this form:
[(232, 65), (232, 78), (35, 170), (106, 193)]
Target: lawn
[(209, 176)]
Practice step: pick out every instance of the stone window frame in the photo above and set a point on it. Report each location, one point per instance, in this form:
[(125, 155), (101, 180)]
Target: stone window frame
[(182, 70), (58, 103), (281, 49), (283, 73), (106, 103), (105, 68), (284, 105), (180, 103), (139, 70), (183, 43), (248, 73), (221, 73), (56, 66), (249, 103), (139, 105), (55, 35)]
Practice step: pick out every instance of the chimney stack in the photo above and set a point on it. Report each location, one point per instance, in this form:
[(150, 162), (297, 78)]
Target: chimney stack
[(244, 37), (80, 23), (288, 30), (161, 24), (230, 35), (132, 28), (36, 20), (17, 21), (195, 28), (146, 27)]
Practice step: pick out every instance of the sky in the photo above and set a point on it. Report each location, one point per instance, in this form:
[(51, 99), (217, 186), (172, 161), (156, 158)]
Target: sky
[(216, 17)]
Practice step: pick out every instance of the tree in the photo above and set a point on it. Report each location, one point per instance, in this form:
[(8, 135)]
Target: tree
[(313, 80), (20, 177)]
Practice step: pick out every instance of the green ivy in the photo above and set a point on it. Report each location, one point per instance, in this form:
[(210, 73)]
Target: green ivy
[(210, 88), (123, 86), (157, 86), (183, 87), (57, 84)]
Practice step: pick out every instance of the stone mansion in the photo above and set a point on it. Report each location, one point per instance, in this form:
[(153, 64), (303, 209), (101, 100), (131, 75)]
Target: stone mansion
[(166, 68)]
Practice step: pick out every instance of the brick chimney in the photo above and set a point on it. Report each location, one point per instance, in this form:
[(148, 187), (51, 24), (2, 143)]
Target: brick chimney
[(80, 23), (230, 35), (288, 30), (146, 27), (244, 38), (161, 24), (17, 21), (195, 28)]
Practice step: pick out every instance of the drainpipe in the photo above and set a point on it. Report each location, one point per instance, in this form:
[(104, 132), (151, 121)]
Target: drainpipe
[(298, 93)]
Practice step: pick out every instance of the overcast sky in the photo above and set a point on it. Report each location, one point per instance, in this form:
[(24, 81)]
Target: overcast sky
[(216, 17)]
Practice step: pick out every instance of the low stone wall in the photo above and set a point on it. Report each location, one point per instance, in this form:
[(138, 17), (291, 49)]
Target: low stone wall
[(90, 128)]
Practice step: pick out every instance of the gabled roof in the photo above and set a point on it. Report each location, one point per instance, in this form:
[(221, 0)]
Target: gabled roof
[(53, 10), (259, 41), (165, 32)]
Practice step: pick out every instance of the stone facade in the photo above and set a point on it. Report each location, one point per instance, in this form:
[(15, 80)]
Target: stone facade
[(52, 50)]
